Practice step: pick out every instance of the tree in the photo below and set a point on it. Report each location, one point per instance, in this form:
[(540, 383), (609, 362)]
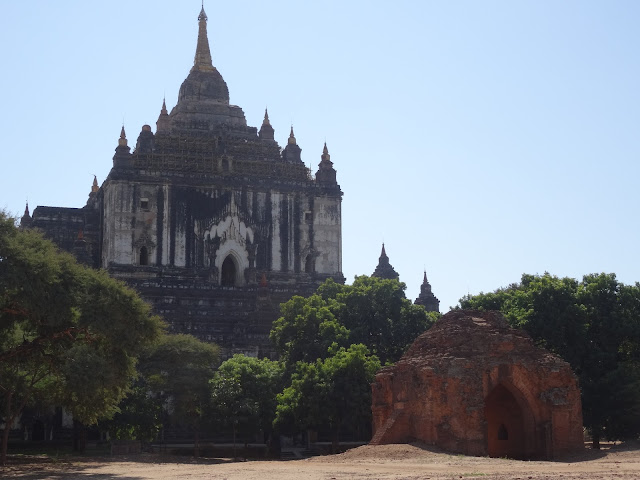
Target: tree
[(69, 335), (595, 326), (306, 330), (139, 415), (178, 370), (244, 393), (335, 391), (372, 311)]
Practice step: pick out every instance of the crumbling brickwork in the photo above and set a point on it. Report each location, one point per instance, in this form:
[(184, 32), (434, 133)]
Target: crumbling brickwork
[(474, 385)]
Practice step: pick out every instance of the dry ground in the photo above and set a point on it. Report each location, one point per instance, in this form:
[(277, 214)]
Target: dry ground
[(409, 462)]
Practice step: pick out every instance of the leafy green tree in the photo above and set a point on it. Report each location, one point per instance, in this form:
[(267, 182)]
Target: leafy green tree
[(335, 391), (69, 335), (178, 370), (371, 311), (307, 329), (244, 393), (139, 415), (595, 326)]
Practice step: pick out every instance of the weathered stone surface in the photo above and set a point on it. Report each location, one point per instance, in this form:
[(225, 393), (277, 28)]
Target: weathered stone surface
[(474, 385), (205, 208)]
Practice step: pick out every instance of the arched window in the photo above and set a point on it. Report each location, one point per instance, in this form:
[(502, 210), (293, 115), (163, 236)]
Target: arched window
[(228, 272), (309, 264), (144, 256)]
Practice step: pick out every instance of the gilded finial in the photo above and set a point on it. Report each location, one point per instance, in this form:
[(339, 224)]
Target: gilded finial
[(266, 118), (202, 60), (94, 187), (292, 138)]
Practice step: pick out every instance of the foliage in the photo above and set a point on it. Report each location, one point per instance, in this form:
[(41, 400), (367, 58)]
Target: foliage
[(178, 370), (371, 311), (306, 330), (244, 393), (139, 416), (69, 335), (595, 326), (335, 391)]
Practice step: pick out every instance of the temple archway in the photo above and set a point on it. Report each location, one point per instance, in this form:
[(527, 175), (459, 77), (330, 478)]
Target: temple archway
[(229, 272), (507, 423), (144, 256), (309, 264)]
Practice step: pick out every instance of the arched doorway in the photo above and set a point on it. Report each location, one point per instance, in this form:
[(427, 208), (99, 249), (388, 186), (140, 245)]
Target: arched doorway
[(144, 256), (229, 272), (309, 264), (506, 424)]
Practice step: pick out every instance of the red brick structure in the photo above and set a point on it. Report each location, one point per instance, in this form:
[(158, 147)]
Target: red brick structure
[(474, 385)]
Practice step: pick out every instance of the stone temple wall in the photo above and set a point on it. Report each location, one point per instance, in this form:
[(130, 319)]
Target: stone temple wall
[(473, 385)]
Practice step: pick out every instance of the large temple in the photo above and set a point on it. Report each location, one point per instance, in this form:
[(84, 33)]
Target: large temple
[(208, 218)]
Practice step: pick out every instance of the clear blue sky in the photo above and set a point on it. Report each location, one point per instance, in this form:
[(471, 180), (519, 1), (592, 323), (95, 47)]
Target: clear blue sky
[(478, 139)]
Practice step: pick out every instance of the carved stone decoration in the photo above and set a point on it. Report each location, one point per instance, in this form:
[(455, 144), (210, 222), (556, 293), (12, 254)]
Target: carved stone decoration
[(144, 240), (231, 237), (211, 204)]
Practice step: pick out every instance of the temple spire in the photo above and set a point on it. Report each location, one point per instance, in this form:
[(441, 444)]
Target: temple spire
[(202, 60), (292, 138), (122, 141), (163, 122), (326, 174), (25, 221), (426, 298), (384, 268), (266, 130), (94, 187)]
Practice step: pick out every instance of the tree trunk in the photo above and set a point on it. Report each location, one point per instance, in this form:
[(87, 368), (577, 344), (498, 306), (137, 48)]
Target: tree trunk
[(595, 437), (7, 428), (335, 440), (235, 456), (79, 436)]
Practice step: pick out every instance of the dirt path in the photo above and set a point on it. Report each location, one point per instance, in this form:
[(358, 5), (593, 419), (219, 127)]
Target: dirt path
[(407, 462)]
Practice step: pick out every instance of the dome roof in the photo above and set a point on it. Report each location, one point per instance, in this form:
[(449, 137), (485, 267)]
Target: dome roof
[(203, 100), (204, 85)]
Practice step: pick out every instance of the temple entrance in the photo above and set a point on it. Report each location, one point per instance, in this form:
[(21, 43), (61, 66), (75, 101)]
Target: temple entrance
[(505, 424), (309, 264), (144, 256), (229, 271)]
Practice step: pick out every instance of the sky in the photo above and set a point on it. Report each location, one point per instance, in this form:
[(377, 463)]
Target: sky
[(478, 140)]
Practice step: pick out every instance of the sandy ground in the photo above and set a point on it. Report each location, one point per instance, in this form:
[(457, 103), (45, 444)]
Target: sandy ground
[(407, 462)]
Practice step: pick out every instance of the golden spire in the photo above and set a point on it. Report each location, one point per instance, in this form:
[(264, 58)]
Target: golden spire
[(266, 118), (202, 61), (292, 138), (94, 187), (122, 141)]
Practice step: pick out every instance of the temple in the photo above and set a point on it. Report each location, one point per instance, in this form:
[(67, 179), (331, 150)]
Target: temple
[(208, 218)]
